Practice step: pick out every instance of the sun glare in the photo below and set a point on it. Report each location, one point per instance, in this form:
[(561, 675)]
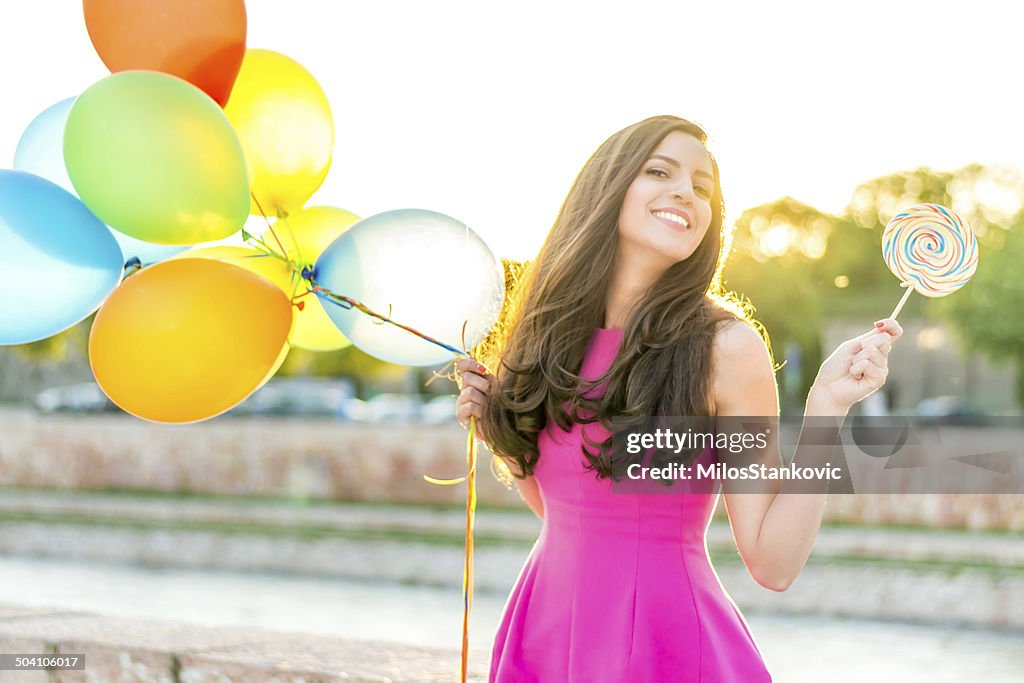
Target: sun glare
[(776, 240)]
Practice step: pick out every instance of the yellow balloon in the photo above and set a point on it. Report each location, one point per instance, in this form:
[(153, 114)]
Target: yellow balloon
[(188, 339), (283, 120), (304, 235), (267, 267)]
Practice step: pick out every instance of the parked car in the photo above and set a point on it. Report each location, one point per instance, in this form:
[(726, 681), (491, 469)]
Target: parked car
[(355, 410), (394, 408), (950, 410), (86, 397), (439, 410), (300, 396)]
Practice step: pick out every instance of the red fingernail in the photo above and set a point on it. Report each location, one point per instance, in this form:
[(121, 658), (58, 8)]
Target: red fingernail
[(879, 324)]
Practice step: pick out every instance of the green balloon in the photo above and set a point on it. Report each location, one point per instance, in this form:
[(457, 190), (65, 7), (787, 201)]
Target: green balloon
[(155, 158)]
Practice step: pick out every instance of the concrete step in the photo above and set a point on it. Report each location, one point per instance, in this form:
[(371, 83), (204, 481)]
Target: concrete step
[(446, 526), (944, 577)]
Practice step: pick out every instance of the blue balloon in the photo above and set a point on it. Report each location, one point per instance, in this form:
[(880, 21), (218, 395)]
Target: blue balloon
[(58, 262), (41, 147), (422, 269), (41, 152)]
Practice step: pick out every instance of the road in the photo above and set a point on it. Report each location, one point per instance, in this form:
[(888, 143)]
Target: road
[(798, 649)]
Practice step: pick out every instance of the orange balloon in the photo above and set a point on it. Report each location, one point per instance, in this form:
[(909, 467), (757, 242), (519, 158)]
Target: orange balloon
[(201, 41), (186, 340)]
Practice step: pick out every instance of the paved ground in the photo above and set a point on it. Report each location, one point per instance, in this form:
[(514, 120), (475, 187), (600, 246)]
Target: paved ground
[(796, 649), (391, 573)]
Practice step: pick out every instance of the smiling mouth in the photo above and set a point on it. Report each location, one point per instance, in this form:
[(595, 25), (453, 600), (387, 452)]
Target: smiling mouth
[(675, 221)]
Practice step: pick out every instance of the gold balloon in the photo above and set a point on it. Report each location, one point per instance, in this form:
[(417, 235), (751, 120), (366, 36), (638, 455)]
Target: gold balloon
[(188, 339), (283, 120)]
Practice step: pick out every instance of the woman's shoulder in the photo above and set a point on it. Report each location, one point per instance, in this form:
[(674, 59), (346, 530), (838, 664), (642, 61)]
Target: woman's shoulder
[(741, 361), (734, 335), (733, 326)]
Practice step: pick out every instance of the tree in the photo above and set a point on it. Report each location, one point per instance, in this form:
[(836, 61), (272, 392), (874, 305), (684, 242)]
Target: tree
[(985, 312), (73, 341), (986, 197), (772, 264), (990, 199)]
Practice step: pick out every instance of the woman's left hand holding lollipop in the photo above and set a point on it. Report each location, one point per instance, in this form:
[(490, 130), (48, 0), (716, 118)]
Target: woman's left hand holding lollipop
[(854, 371)]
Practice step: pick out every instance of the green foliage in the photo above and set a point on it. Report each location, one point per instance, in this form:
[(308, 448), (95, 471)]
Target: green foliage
[(985, 312), (990, 199), (799, 266), (772, 265), (59, 347), (853, 264), (876, 201)]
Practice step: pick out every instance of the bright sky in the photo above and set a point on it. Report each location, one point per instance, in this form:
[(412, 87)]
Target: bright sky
[(487, 114)]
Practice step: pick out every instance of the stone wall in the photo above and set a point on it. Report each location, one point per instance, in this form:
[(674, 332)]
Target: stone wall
[(311, 459), (139, 650), (327, 460)]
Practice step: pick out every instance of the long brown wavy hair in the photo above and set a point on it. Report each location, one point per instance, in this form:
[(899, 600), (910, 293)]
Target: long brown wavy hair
[(664, 365)]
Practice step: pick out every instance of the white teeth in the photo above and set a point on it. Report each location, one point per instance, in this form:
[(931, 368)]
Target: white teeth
[(672, 217)]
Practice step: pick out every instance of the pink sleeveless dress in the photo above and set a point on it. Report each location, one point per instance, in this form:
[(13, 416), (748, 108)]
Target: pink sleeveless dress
[(618, 587)]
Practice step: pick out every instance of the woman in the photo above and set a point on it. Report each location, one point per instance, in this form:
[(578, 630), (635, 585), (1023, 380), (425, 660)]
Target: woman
[(620, 318)]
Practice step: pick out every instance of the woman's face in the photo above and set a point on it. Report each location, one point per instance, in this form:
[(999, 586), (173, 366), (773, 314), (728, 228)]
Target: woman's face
[(667, 208)]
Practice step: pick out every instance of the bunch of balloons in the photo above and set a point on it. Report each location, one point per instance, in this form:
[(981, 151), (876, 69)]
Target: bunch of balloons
[(116, 193)]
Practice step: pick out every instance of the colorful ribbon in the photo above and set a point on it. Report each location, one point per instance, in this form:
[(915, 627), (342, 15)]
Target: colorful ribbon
[(324, 294)]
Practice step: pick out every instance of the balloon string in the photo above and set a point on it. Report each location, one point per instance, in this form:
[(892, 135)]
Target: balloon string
[(350, 303), (307, 274), (282, 254), (471, 456), (266, 220), (470, 478), (467, 572), (261, 246)]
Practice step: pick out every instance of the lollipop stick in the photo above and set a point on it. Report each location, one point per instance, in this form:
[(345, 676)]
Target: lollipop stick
[(899, 306)]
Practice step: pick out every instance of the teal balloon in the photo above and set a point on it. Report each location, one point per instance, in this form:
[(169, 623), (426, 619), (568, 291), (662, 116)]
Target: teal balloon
[(40, 152), (58, 262), (422, 269)]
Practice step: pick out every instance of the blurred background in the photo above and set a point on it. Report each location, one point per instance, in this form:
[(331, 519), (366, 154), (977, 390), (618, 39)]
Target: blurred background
[(304, 508)]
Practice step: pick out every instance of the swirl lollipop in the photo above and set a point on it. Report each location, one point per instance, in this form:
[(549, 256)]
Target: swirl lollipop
[(931, 250)]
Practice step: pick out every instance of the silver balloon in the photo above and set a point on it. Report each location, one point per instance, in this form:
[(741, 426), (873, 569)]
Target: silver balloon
[(422, 269)]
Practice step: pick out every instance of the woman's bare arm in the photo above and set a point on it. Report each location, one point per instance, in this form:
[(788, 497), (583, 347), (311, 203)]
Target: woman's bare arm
[(775, 530), (530, 493)]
